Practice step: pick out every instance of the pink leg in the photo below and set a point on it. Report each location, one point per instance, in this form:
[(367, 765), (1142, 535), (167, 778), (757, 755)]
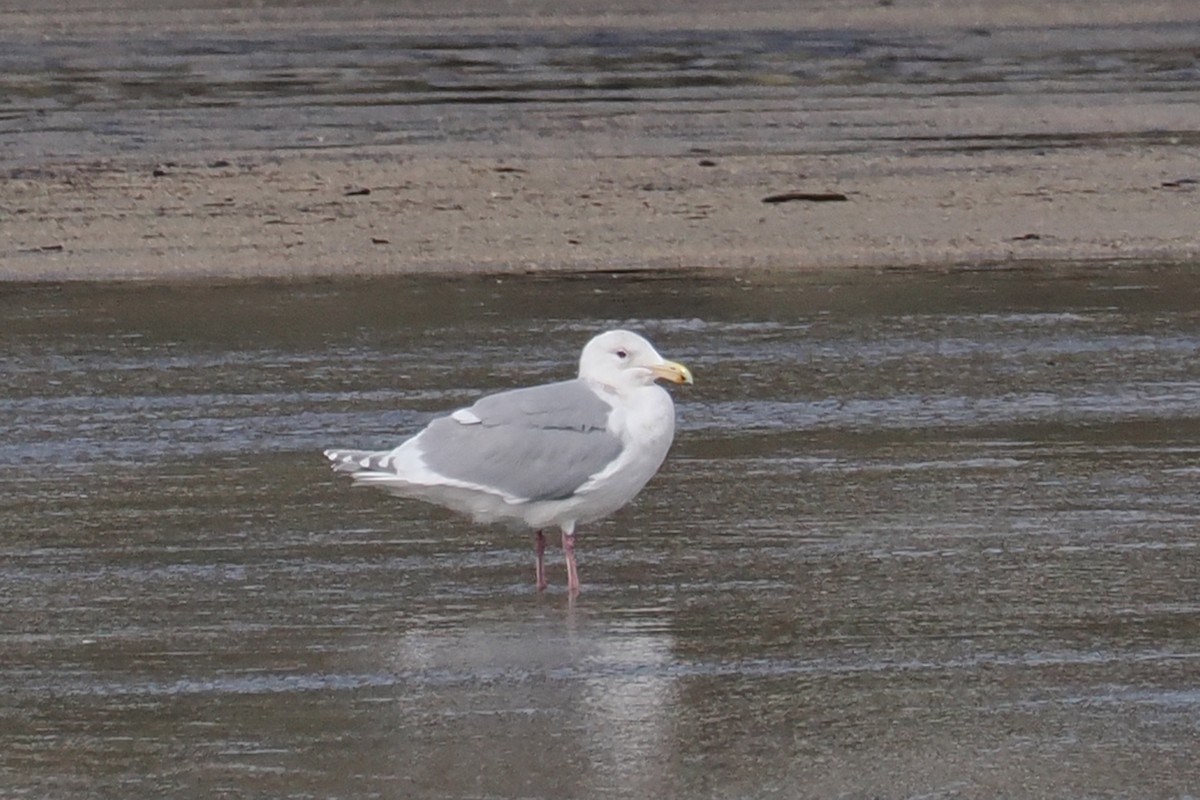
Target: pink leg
[(540, 545), (568, 545)]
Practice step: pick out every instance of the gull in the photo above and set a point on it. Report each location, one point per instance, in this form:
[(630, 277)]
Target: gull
[(555, 455)]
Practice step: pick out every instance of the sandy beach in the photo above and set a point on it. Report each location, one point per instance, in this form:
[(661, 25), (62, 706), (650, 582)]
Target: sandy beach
[(1081, 151)]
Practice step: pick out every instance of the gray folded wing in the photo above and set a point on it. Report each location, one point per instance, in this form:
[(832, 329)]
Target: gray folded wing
[(540, 443)]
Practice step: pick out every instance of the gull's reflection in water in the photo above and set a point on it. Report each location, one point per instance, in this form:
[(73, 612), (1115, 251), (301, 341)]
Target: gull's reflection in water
[(495, 693)]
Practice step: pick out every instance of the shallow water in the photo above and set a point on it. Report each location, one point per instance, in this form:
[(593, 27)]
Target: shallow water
[(598, 92), (920, 536)]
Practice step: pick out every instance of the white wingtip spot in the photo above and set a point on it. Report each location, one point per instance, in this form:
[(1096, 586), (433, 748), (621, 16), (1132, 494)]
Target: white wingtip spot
[(364, 462)]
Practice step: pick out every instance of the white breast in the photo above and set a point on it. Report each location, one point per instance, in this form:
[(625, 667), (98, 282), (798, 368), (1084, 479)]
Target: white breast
[(645, 422)]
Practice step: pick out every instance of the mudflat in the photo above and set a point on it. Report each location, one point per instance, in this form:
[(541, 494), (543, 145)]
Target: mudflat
[(202, 140)]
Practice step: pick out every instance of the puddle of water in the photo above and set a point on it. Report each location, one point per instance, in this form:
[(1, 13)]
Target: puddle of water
[(920, 534)]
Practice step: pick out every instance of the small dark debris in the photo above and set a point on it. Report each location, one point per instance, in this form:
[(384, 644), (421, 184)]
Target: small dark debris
[(806, 197), (1179, 183), (510, 170), (356, 192), (706, 162), (1027, 237), (574, 241), (46, 248), (159, 172), (220, 163), (380, 240), (31, 173)]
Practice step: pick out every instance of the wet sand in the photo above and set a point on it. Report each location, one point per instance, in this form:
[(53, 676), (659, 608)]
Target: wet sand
[(990, 138)]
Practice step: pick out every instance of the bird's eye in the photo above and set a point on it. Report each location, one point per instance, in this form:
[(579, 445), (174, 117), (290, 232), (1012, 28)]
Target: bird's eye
[(622, 354)]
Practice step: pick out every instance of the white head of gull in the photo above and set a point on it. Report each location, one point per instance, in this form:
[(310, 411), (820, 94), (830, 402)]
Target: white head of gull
[(555, 455)]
